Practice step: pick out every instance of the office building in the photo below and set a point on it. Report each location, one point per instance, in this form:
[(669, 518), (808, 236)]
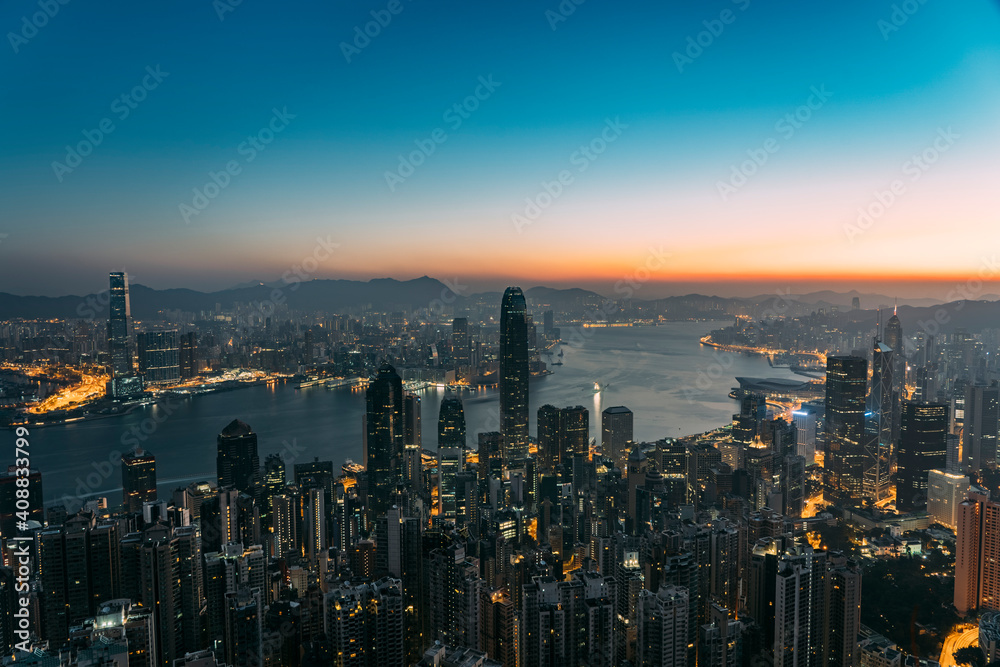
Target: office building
[(922, 448), (384, 442), (159, 356), (616, 434), (236, 462), (461, 350), (514, 376), (982, 411), (845, 460), (945, 492), (138, 479), (120, 326)]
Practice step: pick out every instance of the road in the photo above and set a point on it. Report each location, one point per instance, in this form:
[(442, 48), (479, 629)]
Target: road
[(961, 637)]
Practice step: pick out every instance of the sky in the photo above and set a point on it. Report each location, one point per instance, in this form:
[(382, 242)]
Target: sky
[(720, 146)]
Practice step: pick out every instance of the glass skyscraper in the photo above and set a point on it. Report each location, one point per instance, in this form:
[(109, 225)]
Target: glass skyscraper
[(384, 437), (514, 376), (846, 385)]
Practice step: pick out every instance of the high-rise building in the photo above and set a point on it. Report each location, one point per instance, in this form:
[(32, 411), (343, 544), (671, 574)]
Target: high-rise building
[(514, 376), (79, 568), (798, 609), (982, 411), (460, 349), (9, 512), (945, 492), (841, 612), (451, 453), (120, 325), (159, 356), (663, 627), (977, 541), (187, 355), (922, 448), (878, 424), (244, 642), (806, 420), (138, 479), (287, 528), (365, 626), (846, 384), (272, 483), (162, 570), (384, 440), (236, 461), (454, 587), (563, 433), (124, 383), (568, 622), (616, 433), (412, 442)]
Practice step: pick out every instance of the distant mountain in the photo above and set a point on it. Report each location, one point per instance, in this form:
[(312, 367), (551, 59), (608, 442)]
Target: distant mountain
[(312, 295), (826, 298)]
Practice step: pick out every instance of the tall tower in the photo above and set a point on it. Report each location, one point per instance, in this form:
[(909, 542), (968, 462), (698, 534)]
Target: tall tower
[(977, 539), (514, 376), (923, 445), (878, 423), (616, 433), (846, 384), (461, 352), (120, 325), (138, 479), (982, 410), (384, 431), (451, 453), (236, 461), (412, 447)]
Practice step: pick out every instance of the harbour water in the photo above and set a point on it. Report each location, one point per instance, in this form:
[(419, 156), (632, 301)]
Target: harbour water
[(673, 384)]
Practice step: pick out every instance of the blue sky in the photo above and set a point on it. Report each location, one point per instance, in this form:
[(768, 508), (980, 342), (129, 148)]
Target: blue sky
[(324, 174)]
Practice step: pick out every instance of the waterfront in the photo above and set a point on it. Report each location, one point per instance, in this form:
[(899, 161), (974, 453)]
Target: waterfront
[(673, 384)]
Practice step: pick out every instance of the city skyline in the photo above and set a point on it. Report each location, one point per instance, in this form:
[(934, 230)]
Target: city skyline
[(500, 334)]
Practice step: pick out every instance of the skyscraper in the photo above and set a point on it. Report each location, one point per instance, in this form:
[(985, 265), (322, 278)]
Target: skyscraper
[(237, 464), (138, 479), (451, 453), (945, 492), (79, 568), (124, 383), (982, 411), (384, 437), (159, 356), (846, 384), (563, 433), (365, 625), (923, 446), (514, 376), (412, 442), (663, 627), (977, 541), (878, 424), (187, 355), (616, 433), (244, 628), (460, 348), (120, 325)]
